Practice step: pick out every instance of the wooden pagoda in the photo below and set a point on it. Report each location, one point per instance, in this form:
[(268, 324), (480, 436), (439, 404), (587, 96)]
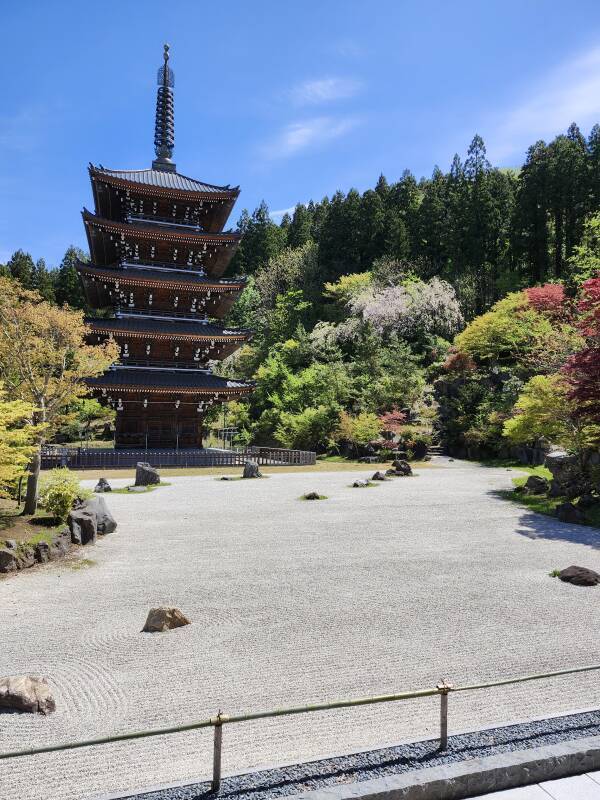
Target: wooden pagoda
[(158, 252)]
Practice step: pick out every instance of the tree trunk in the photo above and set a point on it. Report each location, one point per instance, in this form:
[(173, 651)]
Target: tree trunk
[(31, 498)]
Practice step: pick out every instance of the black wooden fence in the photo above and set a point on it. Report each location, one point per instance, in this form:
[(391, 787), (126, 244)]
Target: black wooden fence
[(100, 458)]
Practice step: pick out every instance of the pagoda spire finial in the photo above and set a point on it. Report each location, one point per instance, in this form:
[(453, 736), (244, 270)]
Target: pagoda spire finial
[(164, 128)]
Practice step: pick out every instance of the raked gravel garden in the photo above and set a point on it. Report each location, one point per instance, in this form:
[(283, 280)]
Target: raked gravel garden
[(368, 591)]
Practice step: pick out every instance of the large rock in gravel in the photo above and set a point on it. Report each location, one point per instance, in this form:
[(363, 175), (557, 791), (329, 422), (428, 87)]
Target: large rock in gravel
[(401, 467), (26, 693), (146, 475), (251, 470), (106, 523), (164, 619), (359, 483), (536, 485), (12, 559), (102, 486), (567, 512), (83, 524), (567, 479), (312, 496), (8, 560), (378, 476), (580, 576)]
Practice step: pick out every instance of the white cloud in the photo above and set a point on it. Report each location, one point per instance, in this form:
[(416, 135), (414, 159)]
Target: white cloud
[(276, 216), (570, 93), (324, 90), (310, 133)]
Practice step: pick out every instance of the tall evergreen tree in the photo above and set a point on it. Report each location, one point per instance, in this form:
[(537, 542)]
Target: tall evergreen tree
[(531, 234), (300, 230), (67, 286), (21, 267), (593, 149), (42, 280), (262, 240)]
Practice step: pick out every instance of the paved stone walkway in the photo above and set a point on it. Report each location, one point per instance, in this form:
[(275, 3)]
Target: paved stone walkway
[(580, 787), (371, 591)]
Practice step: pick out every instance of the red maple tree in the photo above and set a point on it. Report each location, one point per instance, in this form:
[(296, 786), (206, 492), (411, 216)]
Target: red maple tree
[(583, 368), (548, 299), (392, 421)]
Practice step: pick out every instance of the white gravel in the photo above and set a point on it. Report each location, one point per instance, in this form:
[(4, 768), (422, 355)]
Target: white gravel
[(371, 591)]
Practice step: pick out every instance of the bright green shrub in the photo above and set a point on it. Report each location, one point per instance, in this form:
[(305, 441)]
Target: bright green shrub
[(59, 491), (506, 333)]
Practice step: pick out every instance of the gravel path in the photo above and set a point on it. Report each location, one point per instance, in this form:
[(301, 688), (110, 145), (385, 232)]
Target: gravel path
[(371, 591), (365, 766)]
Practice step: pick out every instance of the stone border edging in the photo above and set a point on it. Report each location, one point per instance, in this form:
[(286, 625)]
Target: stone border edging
[(476, 776), (453, 781)]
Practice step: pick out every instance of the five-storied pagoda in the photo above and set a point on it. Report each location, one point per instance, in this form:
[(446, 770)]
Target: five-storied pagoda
[(158, 252)]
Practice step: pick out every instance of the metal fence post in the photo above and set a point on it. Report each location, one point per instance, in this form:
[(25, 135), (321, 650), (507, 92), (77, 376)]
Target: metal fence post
[(444, 688), (218, 739)]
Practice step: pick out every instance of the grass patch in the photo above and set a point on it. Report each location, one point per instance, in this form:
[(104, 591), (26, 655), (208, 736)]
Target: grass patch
[(125, 489), (536, 502), (555, 573), (80, 563), (498, 463), (239, 478), (341, 465), (43, 536), (540, 472), (542, 504), (27, 529)]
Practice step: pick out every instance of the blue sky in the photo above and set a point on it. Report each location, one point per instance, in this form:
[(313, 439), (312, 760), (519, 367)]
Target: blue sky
[(290, 100)]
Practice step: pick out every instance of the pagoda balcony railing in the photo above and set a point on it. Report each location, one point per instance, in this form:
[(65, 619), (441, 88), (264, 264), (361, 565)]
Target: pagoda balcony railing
[(162, 266), (134, 216), (151, 363), (191, 316)]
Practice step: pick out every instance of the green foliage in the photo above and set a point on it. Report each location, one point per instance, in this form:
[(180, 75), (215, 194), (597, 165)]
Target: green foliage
[(20, 266), (17, 439), (544, 410), (347, 286), (262, 240), (360, 429), (86, 419), (67, 286), (506, 333), (289, 270), (584, 263), (310, 429), (60, 488)]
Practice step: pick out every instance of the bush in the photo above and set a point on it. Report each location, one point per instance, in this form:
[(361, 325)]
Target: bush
[(415, 444), (59, 491)]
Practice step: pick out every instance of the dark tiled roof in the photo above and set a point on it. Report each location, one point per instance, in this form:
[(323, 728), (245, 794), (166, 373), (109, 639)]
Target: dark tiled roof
[(165, 326), (164, 179), (150, 274), (164, 379)]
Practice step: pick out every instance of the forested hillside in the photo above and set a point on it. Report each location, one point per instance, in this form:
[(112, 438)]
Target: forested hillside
[(485, 230), (355, 300)]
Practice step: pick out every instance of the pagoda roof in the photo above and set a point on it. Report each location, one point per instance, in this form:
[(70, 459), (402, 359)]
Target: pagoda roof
[(157, 326), (166, 180), (158, 277), (166, 380), (149, 231)]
